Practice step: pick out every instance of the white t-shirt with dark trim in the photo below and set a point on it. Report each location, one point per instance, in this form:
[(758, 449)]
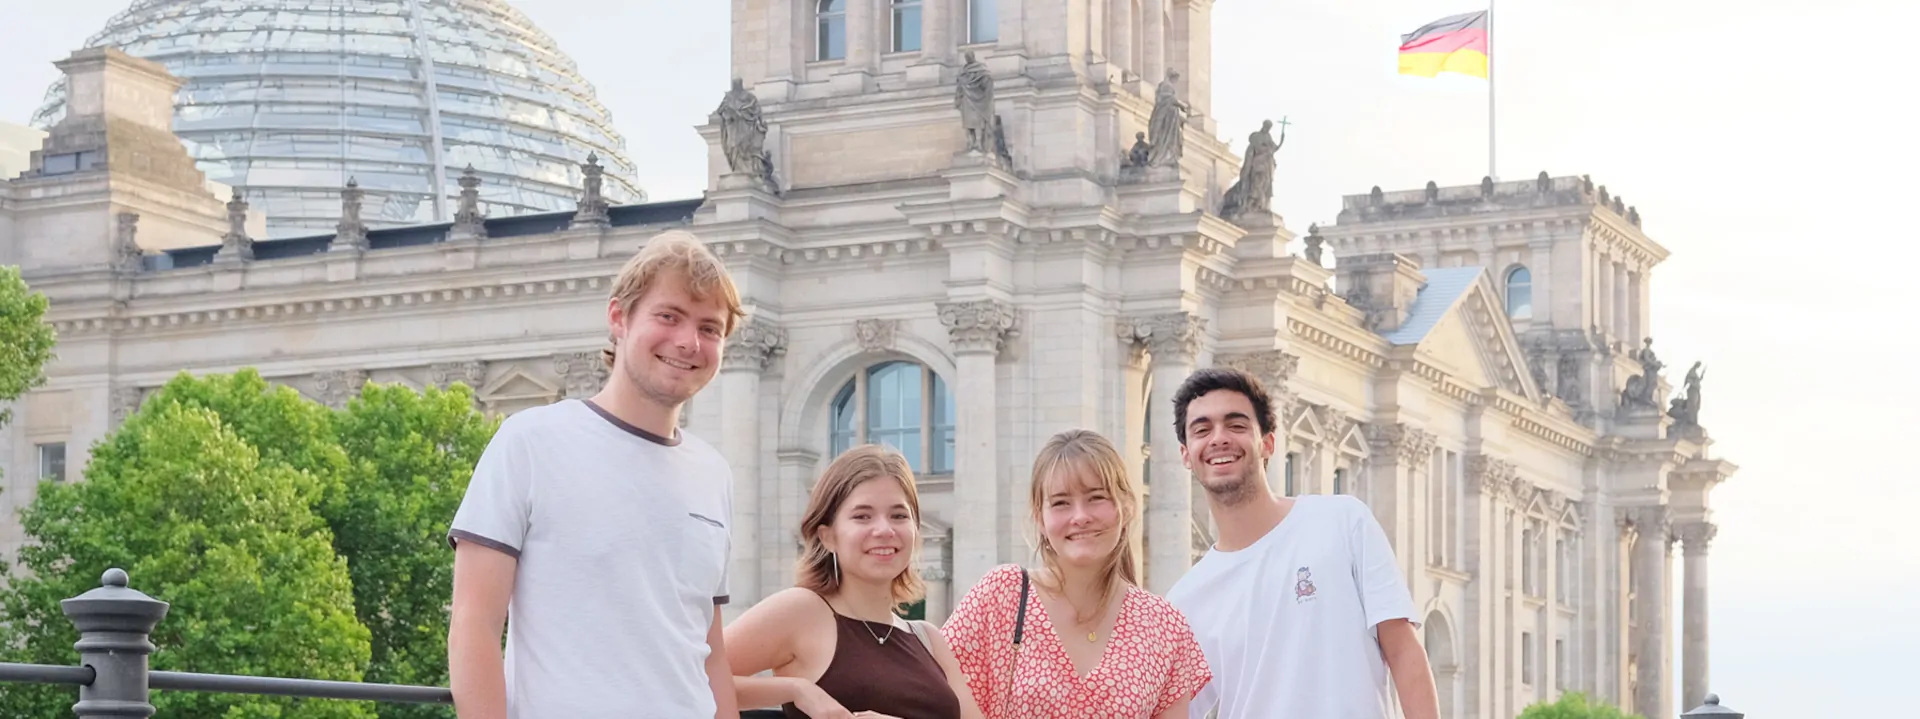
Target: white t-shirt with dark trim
[(1288, 624), (622, 539)]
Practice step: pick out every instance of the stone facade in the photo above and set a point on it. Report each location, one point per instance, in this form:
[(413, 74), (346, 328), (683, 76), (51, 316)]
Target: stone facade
[(966, 306)]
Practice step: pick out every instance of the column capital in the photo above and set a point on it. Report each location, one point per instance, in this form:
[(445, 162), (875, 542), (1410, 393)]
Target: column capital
[(1409, 444), (1652, 520), (582, 374), (1273, 367), (444, 374), (979, 326), (1170, 336), (336, 387), (1695, 536), (1492, 476), (753, 346)]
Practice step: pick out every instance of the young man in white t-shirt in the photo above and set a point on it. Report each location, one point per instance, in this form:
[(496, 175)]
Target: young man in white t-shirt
[(1299, 606), (600, 529)]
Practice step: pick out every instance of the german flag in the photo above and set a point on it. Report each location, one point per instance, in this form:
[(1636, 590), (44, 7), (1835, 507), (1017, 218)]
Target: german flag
[(1451, 44)]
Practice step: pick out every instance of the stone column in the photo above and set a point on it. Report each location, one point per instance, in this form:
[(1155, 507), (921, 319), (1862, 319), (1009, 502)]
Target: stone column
[(977, 329), (1489, 479), (1603, 293), (936, 29), (1153, 63), (863, 30), (1120, 49), (1172, 341), (1650, 557), (799, 468), (1694, 538), (1540, 267), (1622, 323), (748, 353), (1402, 455)]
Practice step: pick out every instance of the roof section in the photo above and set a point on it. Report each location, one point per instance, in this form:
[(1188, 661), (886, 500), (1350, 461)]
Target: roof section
[(1445, 287)]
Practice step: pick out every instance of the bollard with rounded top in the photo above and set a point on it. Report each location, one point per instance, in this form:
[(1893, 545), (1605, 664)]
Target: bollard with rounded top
[(114, 624), (1712, 710)]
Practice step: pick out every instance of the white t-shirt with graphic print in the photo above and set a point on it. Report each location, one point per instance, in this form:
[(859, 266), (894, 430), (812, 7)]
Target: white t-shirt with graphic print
[(622, 538), (1288, 623)]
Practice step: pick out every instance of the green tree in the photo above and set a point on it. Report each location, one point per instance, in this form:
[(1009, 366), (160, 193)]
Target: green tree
[(411, 457), (201, 519), (26, 342), (1575, 705)]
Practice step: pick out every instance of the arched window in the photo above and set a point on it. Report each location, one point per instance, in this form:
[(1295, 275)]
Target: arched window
[(900, 404), (1520, 294), (906, 25), (830, 41), (983, 21)]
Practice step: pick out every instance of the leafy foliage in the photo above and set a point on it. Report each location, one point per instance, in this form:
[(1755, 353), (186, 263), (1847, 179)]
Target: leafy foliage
[(1575, 705), (290, 539), (26, 342)]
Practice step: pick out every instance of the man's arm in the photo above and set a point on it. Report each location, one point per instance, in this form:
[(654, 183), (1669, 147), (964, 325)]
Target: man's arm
[(719, 672), (1407, 661), (482, 587)]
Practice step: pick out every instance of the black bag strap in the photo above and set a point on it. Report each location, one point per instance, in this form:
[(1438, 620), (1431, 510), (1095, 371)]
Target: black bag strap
[(1020, 620)]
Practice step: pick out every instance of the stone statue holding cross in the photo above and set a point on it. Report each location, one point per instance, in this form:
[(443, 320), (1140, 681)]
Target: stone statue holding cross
[(1254, 192)]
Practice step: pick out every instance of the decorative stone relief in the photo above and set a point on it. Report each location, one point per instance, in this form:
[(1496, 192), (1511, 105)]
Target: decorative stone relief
[(1493, 476), (1315, 245), (1642, 389), (124, 402), (978, 325), (592, 211), (755, 345), (582, 374), (1695, 536), (126, 249), (1174, 335), (1275, 368), (875, 335), (236, 245), (1409, 444), (444, 374), (468, 223), (1568, 381), (336, 387)]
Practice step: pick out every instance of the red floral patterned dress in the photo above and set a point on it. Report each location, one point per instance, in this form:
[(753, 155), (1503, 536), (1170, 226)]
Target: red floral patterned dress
[(1150, 662)]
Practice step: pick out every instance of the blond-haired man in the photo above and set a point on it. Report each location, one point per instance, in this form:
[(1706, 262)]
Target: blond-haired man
[(600, 528)]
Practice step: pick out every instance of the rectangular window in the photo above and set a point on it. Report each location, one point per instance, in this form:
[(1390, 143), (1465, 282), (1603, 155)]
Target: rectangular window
[(906, 25), (983, 21), (1560, 664), (1293, 460), (53, 461), (1526, 658)]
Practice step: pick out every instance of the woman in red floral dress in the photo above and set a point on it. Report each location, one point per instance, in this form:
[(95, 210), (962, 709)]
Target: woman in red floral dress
[(1093, 644)]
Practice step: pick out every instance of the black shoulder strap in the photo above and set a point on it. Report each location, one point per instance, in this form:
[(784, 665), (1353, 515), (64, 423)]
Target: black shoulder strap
[(1020, 620)]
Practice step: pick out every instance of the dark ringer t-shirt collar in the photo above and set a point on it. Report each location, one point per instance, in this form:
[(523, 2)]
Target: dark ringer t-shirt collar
[(624, 426)]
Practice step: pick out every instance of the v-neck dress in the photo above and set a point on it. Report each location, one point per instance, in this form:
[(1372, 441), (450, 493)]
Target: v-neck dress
[(1151, 659)]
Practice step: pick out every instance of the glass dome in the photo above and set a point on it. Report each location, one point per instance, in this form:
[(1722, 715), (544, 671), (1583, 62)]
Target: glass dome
[(287, 99)]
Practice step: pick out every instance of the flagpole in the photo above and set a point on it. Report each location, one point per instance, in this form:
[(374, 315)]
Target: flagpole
[(1491, 171)]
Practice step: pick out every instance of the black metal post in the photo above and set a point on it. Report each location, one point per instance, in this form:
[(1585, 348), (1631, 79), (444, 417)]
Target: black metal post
[(115, 624)]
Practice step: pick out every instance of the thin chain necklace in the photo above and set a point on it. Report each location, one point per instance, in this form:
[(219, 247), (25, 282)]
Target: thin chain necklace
[(864, 624), (1093, 635)]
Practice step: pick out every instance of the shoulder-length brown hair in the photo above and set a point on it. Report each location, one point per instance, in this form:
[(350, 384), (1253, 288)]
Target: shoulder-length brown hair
[(850, 470), (1078, 451)]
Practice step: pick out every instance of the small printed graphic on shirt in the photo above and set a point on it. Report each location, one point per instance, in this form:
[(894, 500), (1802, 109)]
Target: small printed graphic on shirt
[(708, 520), (1303, 589)]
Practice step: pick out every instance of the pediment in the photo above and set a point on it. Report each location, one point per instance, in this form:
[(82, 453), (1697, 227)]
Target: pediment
[(516, 384), (1471, 337), (1355, 443)]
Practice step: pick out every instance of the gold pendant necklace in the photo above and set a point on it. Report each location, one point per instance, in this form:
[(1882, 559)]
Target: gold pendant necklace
[(1093, 637)]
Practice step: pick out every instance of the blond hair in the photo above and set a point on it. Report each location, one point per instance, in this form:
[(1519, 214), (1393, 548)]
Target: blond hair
[(1075, 452), (686, 257), (852, 468)]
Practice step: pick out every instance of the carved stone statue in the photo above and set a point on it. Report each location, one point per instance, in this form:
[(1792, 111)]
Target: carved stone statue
[(351, 233), (1640, 389), (592, 210), (1254, 191), (1685, 409), (236, 245), (1138, 156), (1314, 244), (743, 131), (973, 94), (468, 223), (1168, 124)]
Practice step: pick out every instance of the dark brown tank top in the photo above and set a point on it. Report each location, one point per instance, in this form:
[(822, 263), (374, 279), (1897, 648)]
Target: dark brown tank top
[(899, 678)]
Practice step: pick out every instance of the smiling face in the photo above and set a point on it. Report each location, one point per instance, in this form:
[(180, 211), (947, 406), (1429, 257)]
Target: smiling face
[(1224, 446), (668, 343), (1081, 517), (873, 534)]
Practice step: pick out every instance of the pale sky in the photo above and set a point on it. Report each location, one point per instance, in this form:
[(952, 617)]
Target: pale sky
[(1764, 143)]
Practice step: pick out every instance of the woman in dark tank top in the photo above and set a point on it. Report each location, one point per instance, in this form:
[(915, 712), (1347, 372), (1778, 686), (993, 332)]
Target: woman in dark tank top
[(834, 644)]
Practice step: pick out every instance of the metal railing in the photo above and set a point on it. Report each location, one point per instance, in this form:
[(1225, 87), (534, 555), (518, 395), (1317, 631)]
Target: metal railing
[(116, 624)]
